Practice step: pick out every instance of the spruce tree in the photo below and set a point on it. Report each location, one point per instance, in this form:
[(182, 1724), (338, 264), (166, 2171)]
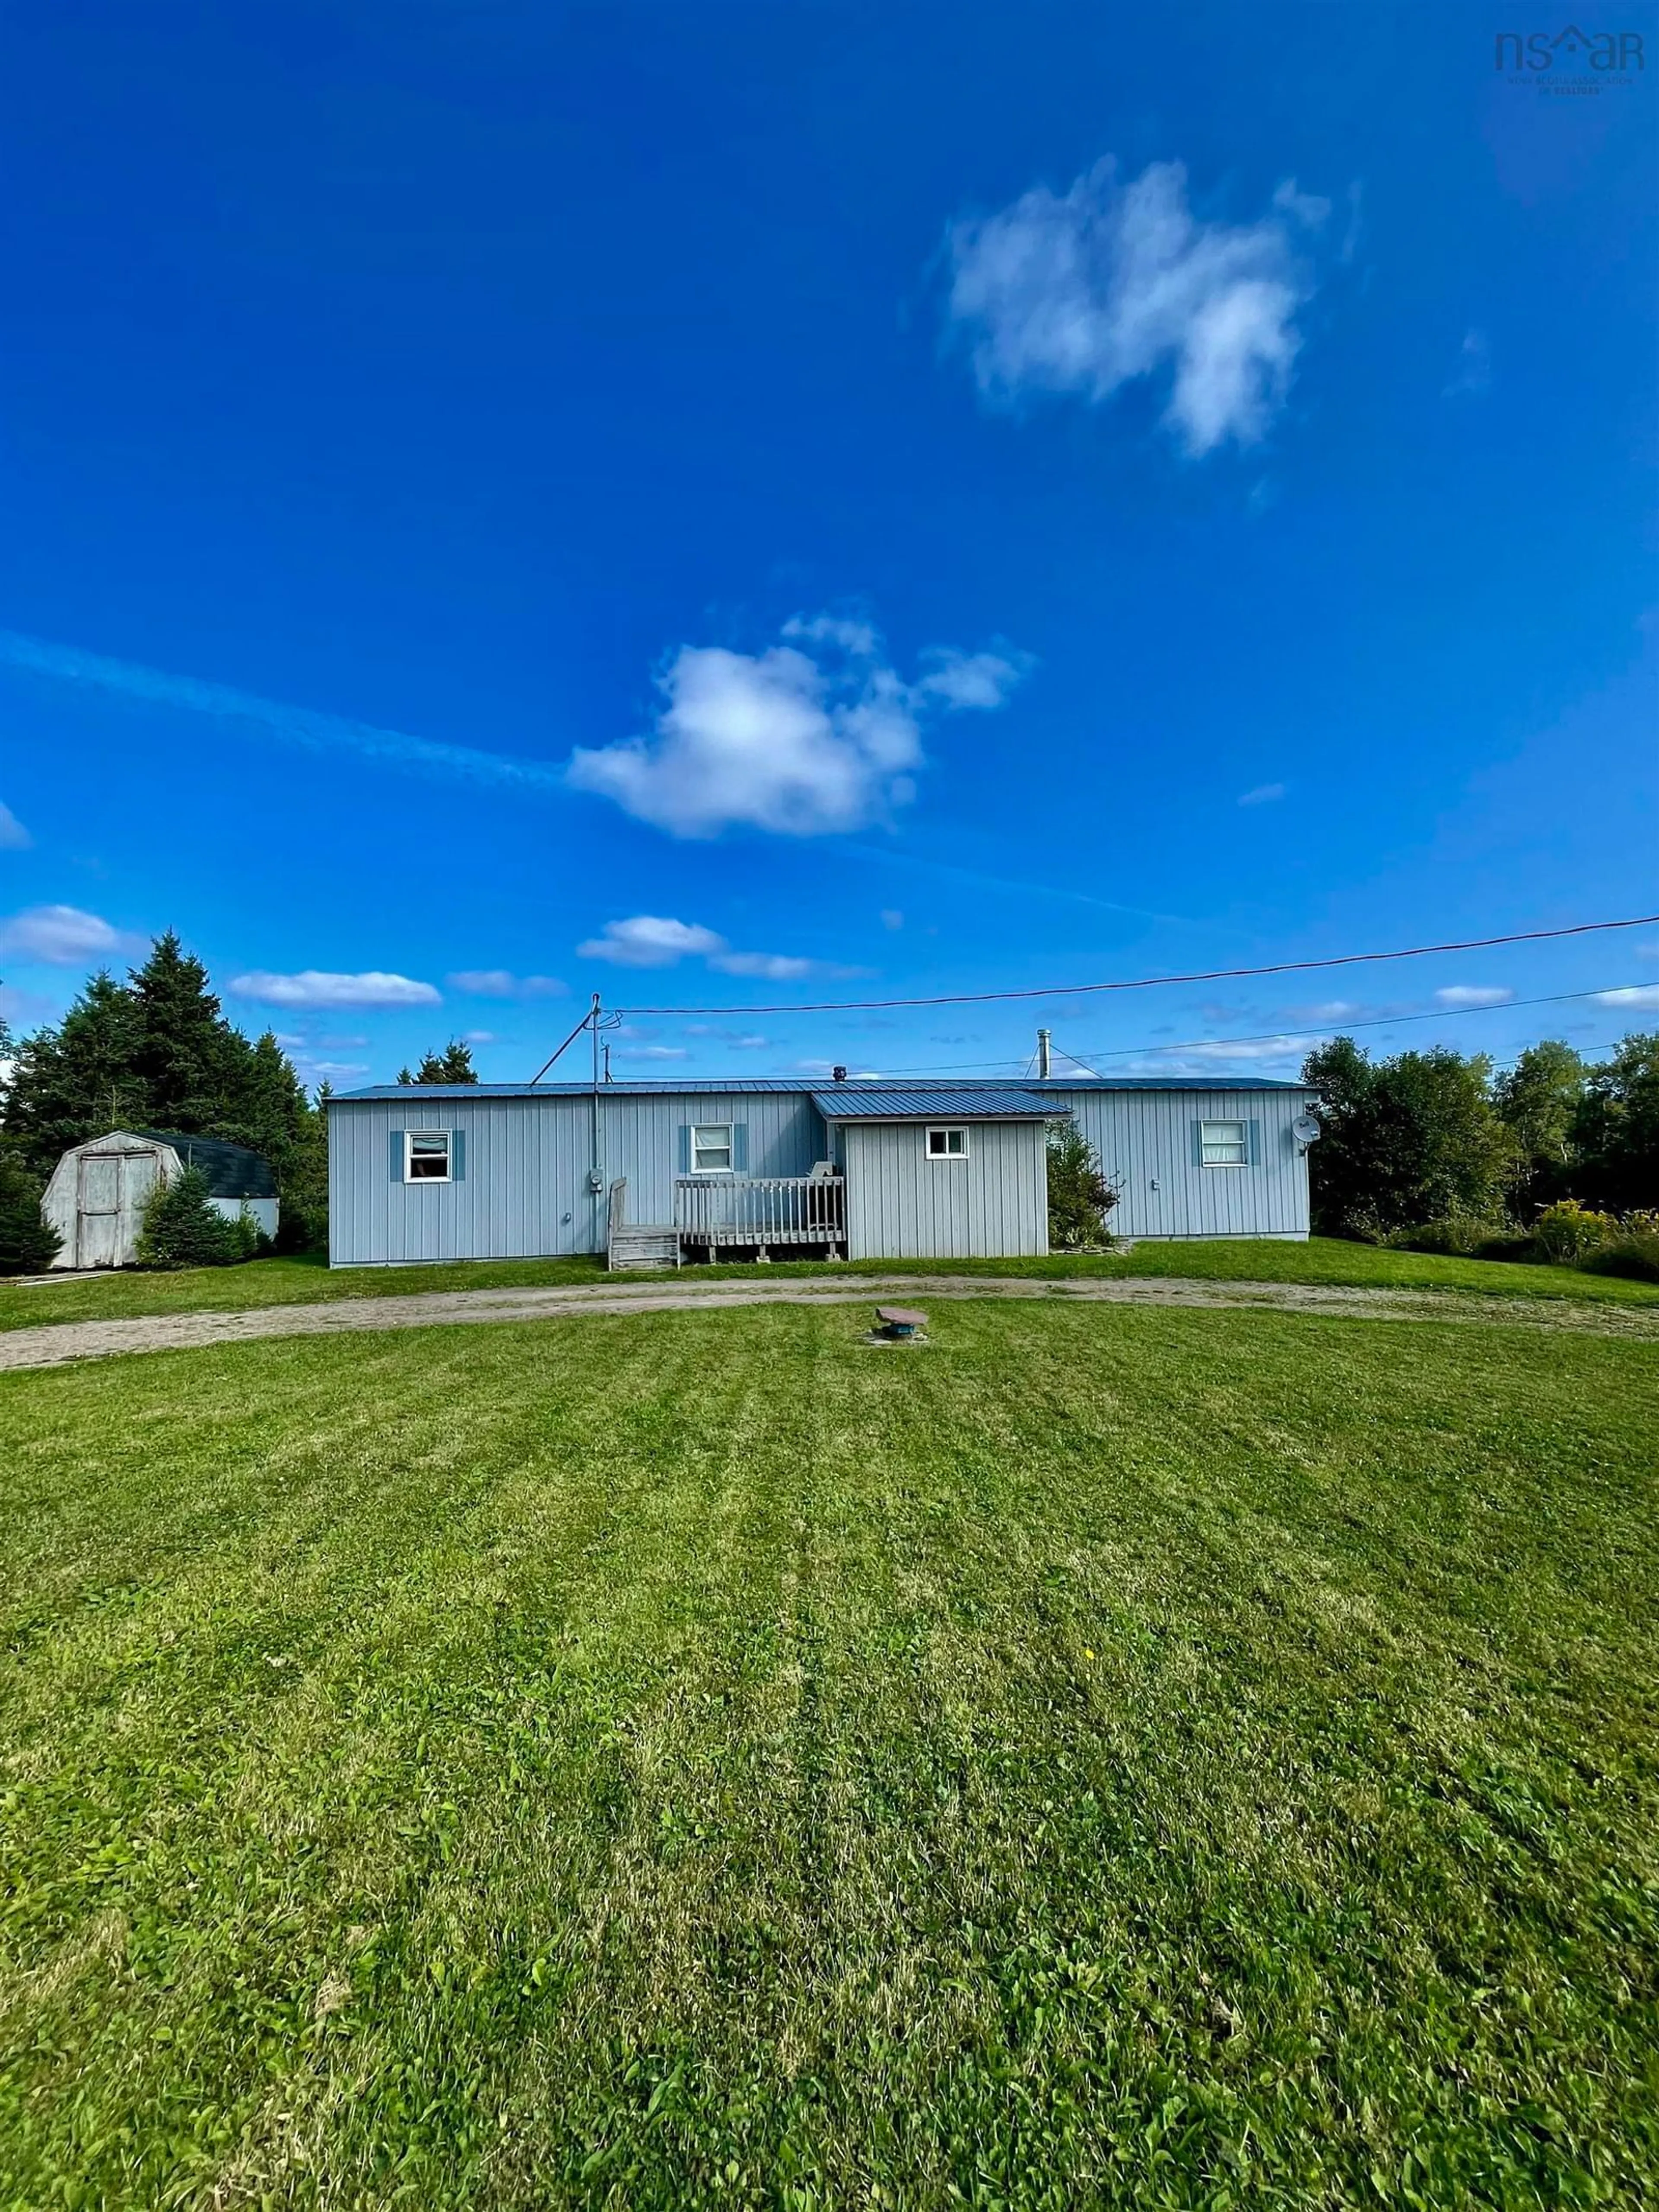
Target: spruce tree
[(192, 1064), (452, 1065), (267, 1110), (78, 1081)]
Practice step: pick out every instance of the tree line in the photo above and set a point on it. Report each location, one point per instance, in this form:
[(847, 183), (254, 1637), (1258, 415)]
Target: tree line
[(156, 1052), (1437, 1141)]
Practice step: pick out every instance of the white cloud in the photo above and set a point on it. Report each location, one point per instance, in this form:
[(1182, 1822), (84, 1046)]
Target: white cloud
[(502, 983), (14, 837), (891, 918), (652, 1051), (478, 1037), (1644, 996), (1473, 994), (1083, 292), (963, 680), (749, 1043), (814, 735), (1472, 379), (1263, 795), (314, 987), (828, 1067), (329, 1071), (655, 940), (1647, 951), (64, 937), (1278, 1047), (650, 940), (770, 967)]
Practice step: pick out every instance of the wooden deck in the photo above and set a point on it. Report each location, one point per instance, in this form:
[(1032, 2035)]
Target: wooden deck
[(726, 1212)]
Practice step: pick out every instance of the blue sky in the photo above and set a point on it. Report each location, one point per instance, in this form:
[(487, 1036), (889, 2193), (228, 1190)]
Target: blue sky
[(756, 504)]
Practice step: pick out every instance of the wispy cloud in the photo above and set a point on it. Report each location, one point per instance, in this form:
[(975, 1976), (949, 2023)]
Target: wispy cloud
[(1275, 1048), (650, 940), (817, 734), (316, 987), (65, 937), (891, 918), (652, 1051), (1634, 997), (1082, 292), (1472, 379), (656, 940), (1473, 994), (1262, 795), (297, 726), (328, 1071), (14, 837), (501, 983)]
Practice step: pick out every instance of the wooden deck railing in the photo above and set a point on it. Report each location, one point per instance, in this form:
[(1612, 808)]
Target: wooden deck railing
[(760, 1210)]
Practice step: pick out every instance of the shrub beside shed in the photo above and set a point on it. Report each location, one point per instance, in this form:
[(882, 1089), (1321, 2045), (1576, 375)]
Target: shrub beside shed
[(96, 1200)]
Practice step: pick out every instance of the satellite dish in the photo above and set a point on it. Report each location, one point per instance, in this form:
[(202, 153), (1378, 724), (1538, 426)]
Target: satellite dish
[(1305, 1130)]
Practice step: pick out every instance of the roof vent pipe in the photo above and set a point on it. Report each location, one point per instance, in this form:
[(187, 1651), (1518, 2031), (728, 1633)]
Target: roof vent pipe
[(838, 1074), (1042, 1055)]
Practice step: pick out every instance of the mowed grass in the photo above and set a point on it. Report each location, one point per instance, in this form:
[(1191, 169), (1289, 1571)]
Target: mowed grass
[(309, 1280), (1121, 1757)]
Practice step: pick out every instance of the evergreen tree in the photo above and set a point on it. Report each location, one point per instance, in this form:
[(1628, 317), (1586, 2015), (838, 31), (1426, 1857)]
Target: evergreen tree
[(78, 1081), (1538, 1102), (28, 1244), (1080, 1196), (267, 1110), (452, 1065), (184, 1229), (192, 1066), (302, 1223)]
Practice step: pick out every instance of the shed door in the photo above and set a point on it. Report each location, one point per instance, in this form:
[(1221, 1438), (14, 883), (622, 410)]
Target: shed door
[(109, 1207)]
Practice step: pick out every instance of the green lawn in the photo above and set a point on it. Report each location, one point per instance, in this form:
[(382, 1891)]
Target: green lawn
[(1106, 1757), (306, 1281)]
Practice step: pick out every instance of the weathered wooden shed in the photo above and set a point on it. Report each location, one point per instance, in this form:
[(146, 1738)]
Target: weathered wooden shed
[(96, 1200)]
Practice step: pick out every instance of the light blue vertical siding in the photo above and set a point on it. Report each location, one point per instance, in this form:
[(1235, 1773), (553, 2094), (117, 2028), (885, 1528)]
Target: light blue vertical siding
[(1144, 1141), (642, 1136), (526, 1191), (902, 1206), (524, 1194)]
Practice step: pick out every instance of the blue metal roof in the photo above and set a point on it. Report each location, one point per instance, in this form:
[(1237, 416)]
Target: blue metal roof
[(704, 1086), (913, 1101)]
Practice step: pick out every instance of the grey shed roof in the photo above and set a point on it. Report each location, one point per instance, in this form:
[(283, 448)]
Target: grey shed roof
[(232, 1171), (947, 1101)]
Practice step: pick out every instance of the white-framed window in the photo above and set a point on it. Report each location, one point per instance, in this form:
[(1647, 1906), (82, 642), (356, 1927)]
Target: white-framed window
[(711, 1148), (1223, 1143), (427, 1156), (947, 1143)]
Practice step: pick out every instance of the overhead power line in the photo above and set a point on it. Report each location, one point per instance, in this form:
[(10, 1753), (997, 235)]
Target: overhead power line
[(1159, 982), (1265, 1036)]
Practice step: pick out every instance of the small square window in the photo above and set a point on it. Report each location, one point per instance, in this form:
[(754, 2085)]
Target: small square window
[(1223, 1144), (426, 1159), (711, 1149), (947, 1143)]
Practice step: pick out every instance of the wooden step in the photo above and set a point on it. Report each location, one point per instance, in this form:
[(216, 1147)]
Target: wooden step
[(644, 1245)]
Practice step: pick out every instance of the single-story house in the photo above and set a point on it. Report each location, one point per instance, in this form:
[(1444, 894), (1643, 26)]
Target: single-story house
[(655, 1171), (96, 1199)]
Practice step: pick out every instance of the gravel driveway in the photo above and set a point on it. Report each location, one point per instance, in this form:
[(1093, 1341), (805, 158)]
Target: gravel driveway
[(57, 1343)]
